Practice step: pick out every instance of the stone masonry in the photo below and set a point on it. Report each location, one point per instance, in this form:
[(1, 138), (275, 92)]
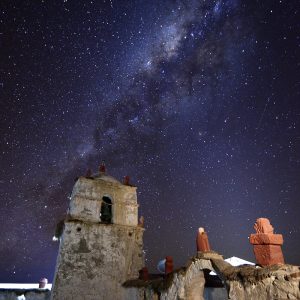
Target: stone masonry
[(95, 258)]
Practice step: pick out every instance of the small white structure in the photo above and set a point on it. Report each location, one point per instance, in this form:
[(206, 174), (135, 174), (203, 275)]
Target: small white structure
[(236, 262), (25, 286)]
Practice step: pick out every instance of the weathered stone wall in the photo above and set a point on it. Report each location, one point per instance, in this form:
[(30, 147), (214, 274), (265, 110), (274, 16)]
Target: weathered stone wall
[(273, 282), (184, 284), (24, 294), (212, 293), (87, 197), (188, 284), (95, 259), (134, 293), (275, 286), (277, 282)]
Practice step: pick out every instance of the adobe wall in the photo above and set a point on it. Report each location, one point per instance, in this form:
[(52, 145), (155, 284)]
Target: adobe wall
[(95, 259), (249, 282), (186, 284), (24, 294), (87, 196), (189, 284)]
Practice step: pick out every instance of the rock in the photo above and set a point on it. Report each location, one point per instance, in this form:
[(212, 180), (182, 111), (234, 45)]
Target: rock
[(209, 255)]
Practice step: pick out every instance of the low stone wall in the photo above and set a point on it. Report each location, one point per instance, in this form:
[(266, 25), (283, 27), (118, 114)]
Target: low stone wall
[(250, 282), (24, 294), (186, 283), (212, 293)]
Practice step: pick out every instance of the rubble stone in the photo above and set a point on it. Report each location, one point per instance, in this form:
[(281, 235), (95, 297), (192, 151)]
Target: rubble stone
[(250, 282)]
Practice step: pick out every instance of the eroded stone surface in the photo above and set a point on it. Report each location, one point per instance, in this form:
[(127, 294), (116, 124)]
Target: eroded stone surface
[(186, 284), (209, 255), (28, 294), (87, 198), (96, 258), (248, 282)]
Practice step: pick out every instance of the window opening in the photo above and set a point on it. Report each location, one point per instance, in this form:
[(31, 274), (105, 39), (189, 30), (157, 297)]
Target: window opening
[(106, 210)]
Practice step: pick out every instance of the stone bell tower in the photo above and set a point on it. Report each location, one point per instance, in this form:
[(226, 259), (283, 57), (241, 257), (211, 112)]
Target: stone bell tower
[(102, 244)]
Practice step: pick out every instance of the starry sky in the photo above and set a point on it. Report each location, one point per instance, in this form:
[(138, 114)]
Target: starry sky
[(197, 101)]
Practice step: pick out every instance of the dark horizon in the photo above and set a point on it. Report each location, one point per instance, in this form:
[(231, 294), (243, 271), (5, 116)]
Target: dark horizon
[(197, 101)]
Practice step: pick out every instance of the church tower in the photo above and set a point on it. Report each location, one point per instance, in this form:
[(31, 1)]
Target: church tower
[(102, 244)]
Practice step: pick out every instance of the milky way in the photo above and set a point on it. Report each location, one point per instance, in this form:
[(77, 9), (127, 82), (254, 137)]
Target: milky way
[(197, 101)]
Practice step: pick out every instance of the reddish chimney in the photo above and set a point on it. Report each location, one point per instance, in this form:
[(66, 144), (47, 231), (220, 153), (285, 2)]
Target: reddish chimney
[(267, 245), (126, 180), (202, 241), (169, 265), (88, 173), (102, 168), (144, 274), (141, 221)]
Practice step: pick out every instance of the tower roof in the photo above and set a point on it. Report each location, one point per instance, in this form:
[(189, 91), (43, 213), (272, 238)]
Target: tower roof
[(105, 177)]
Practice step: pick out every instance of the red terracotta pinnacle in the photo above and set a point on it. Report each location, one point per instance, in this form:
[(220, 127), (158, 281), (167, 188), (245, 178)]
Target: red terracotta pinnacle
[(126, 180), (144, 274), (88, 173), (169, 266), (102, 168), (266, 244)]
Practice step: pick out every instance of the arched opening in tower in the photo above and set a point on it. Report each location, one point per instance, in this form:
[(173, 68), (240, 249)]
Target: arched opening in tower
[(106, 210)]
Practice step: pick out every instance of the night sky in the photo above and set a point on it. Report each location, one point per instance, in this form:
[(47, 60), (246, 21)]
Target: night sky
[(197, 101)]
